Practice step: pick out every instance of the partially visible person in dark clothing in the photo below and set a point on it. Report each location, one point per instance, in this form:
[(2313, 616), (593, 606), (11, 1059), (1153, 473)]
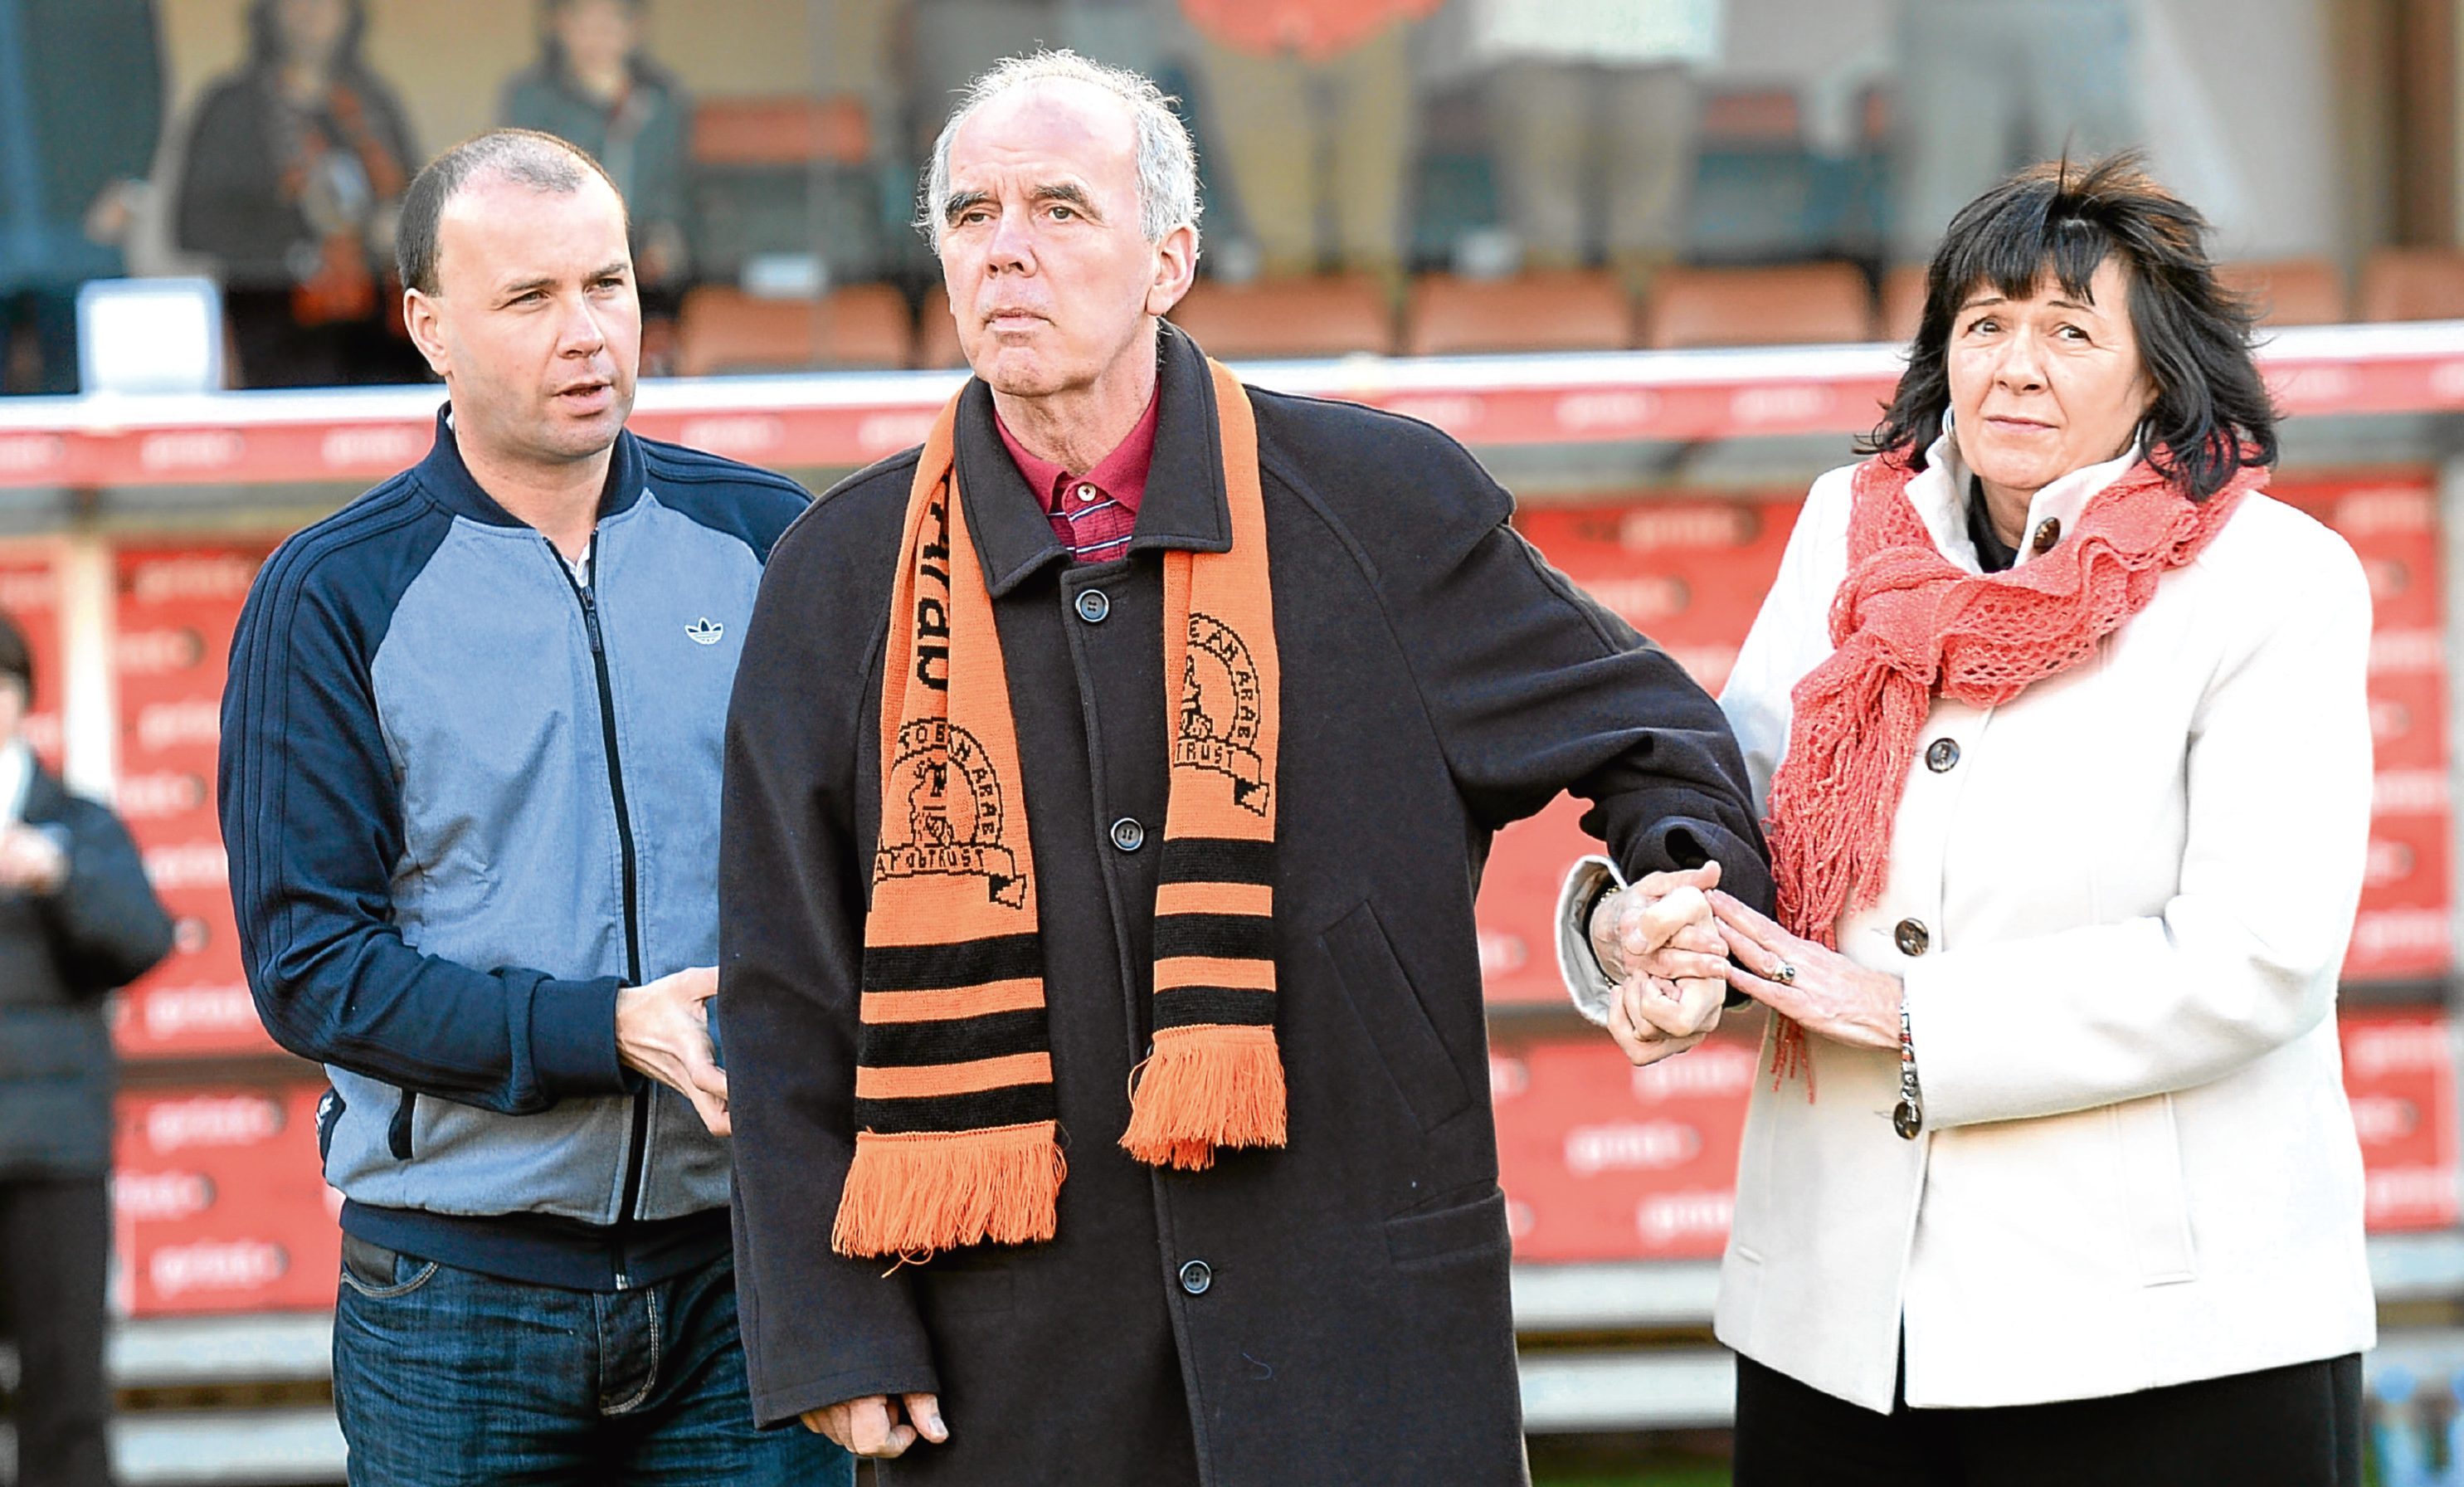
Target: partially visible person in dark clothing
[(596, 85), (80, 109), (295, 173), (77, 920)]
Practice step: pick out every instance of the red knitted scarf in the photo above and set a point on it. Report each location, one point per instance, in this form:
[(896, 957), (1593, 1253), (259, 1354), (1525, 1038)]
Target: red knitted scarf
[(1908, 624)]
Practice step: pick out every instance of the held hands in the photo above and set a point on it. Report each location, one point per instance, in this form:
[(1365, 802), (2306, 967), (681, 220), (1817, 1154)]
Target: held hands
[(870, 1426), (1657, 937), (663, 1029), (1822, 990)]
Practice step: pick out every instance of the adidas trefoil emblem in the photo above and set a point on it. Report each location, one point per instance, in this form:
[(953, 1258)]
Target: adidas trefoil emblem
[(706, 630)]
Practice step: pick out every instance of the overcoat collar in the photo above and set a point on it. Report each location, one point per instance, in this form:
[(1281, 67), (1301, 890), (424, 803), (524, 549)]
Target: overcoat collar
[(1185, 507)]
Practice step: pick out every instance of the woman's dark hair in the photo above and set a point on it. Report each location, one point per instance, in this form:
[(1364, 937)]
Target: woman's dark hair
[(552, 59), (265, 37), (2211, 415)]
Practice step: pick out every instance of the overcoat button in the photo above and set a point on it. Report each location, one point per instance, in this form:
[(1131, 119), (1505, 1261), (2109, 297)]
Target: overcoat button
[(1093, 606), (1196, 1276), (2049, 531), (1943, 757), (1912, 937), (1908, 1120), (1128, 835)]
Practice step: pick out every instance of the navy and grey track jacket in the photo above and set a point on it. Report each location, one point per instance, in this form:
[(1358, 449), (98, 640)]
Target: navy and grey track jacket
[(466, 800)]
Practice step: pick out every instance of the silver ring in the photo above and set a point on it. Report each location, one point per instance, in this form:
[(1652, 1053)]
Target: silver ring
[(1785, 975)]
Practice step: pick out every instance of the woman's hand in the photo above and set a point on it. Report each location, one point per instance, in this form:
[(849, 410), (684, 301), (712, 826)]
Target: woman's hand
[(1821, 990)]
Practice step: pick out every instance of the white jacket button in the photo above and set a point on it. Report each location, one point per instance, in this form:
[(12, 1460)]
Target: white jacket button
[(1911, 937)]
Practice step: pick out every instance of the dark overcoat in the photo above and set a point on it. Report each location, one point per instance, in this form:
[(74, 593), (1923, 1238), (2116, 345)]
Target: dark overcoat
[(60, 953), (1331, 1313)]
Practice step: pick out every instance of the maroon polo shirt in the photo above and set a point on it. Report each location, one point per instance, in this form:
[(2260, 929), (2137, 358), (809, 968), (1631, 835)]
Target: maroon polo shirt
[(1094, 513)]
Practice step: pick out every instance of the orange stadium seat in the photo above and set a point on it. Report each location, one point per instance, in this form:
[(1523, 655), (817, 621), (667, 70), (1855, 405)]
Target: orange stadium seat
[(2290, 291), (1903, 305), (782, 131), (1755, 116), (2413, 284), (1331, 315), (1531, 312), (1800, 304), (722, 329)]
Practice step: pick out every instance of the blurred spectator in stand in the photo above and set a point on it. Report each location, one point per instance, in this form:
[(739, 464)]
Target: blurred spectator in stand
[(595, 85), (951, 42), (1291, 82), (78, 920), (1592, 110), (293, 179), (1987, 86), (80, 109)]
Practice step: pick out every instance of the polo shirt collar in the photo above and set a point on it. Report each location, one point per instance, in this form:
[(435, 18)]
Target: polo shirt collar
[(1185, 505)]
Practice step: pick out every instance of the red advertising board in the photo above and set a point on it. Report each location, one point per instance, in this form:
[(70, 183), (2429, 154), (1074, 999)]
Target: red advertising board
[(2390, 517), (220, 1204), (1604, 1161), (175, 610), (2400, 1075)]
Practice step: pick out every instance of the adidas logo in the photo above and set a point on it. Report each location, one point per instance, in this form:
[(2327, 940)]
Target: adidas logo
[(704, 630)]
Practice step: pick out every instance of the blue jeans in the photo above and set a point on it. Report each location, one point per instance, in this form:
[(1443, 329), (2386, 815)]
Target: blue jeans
[(443, 1377)]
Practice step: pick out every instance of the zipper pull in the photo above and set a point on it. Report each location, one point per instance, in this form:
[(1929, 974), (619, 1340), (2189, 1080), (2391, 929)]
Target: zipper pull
[(590, 621)]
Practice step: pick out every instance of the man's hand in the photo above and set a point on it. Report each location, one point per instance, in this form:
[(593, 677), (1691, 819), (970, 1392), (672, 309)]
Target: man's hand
[(663, 1029), (870, 1426), (1632, 926), (1658, 938), (32, 862)]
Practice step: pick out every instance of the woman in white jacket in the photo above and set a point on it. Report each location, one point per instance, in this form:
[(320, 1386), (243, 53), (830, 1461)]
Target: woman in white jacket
[(2061, 731)]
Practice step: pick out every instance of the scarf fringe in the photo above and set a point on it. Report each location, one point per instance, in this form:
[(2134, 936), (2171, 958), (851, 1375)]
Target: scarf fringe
[(912, 1195), (1206, 1087)]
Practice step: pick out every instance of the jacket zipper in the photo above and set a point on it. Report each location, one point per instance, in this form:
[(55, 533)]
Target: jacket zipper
[(587, 595)]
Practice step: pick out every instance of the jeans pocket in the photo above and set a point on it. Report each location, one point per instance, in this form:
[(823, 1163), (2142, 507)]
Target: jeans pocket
[(380, 1274)]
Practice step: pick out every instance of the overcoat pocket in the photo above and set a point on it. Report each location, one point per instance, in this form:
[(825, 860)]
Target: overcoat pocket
[(1389, 1007)]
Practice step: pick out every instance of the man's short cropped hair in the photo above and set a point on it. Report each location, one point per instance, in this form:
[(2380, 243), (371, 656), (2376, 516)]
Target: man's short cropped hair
[(526, 157)]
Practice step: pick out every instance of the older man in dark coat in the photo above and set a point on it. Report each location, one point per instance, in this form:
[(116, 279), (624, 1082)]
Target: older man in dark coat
[(1328, 1304)]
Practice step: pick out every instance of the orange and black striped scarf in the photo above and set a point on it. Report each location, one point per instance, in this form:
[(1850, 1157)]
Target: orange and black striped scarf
[(956, 1140)]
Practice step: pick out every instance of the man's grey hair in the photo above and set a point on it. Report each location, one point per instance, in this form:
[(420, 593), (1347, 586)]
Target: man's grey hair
[(1167, 161)]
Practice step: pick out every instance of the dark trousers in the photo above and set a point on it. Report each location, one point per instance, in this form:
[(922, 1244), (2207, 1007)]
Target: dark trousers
[(2292, 1427), (55, 1245)]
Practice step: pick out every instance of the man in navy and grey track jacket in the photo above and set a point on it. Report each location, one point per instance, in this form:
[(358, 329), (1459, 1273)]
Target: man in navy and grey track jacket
[(470, 784)]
